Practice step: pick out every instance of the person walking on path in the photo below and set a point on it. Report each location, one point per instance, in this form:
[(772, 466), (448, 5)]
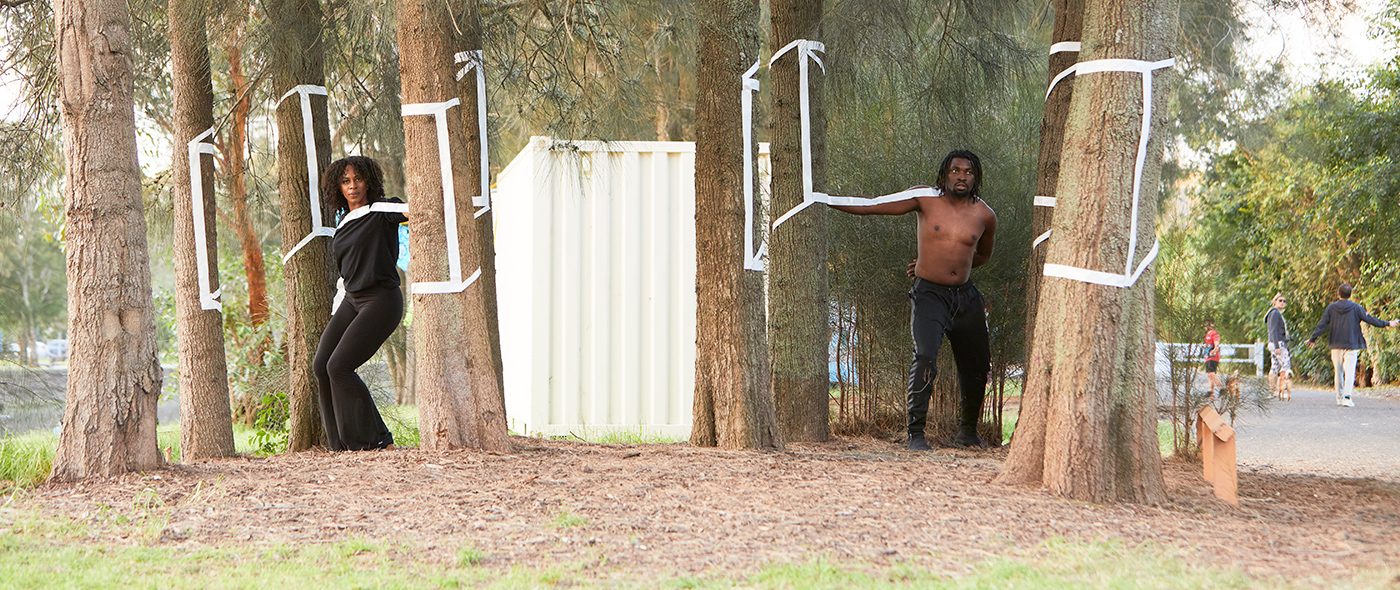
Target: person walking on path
[(1213, 358), (1281, 369), (1343, 320), (955, 234)]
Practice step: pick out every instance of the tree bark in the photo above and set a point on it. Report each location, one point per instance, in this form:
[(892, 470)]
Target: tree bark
[(206, 423), (253, 268), (460, 402), (1092, 350), (798, 310), (1069, 26), (471, 26), (733, 403), (297, 57), (109, 417)]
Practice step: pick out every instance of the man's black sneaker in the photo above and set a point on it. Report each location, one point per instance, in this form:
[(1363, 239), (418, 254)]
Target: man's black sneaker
[(968, 440), (917, 443)]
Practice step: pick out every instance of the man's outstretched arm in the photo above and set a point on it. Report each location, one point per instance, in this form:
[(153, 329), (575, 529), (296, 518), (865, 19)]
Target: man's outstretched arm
[(891, 208)]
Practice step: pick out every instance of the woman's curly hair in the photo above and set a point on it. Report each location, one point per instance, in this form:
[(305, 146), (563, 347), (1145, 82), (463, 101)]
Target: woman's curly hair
[(330, 181)]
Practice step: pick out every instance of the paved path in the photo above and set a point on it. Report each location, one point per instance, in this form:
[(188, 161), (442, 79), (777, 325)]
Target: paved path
[(1311, 434)]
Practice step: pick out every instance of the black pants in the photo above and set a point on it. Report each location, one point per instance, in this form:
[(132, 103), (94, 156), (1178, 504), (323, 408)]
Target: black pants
[(363, 322), (960, 314)]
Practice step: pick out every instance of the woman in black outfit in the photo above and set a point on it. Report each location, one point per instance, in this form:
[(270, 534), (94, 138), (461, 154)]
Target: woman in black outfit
[(365, 247)]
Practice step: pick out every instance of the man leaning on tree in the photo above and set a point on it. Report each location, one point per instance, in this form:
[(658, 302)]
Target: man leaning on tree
[(1344, 318), (955, 234)]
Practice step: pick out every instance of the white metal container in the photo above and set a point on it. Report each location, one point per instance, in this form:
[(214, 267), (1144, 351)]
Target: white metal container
[(595, 259)]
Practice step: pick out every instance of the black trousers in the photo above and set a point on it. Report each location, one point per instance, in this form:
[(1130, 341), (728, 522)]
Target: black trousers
[(363, 322), (960, 314)]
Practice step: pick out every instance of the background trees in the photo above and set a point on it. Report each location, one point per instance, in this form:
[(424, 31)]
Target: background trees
[(1294, 195)]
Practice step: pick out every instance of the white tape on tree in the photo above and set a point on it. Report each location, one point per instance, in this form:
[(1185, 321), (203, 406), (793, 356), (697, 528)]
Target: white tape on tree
[(454, 284), (474, 59), (313, 180), (1061, 47), (753, 259), (208, 298), (1131, 271), (1041, 238)]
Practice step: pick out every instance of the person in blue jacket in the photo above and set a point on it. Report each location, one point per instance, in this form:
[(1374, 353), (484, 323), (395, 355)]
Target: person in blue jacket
[(1343, 320)]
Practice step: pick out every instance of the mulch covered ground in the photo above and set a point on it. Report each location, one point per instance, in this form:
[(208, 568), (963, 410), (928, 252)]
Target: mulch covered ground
[(676, 509)]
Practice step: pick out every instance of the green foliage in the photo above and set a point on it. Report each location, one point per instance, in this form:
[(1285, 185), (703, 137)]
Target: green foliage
[(1307, 206), (271, 433)]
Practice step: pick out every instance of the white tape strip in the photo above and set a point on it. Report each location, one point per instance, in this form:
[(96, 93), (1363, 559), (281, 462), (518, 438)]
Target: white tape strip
[(313, 178), (1130, 273), (474, 59), (339, 294), (208, 299), (1065, 46), (1043, 201), (753, 260), (1085, 275), (1041, 238), (446, 286), (449, 193)]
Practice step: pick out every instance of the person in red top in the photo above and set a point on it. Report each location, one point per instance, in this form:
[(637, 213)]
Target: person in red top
[(1212, 357)]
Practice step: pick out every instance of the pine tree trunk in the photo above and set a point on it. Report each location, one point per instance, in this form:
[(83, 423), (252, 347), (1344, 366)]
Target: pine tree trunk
[(733, 403), (460, 402), (206, 423), (296, 58), (253, 268), (248, 404), (1069, 25), (1092, 350), (470, 24), (114, 377), (798, 310)]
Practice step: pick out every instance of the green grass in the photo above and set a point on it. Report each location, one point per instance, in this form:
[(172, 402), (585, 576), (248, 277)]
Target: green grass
[(628, 436), (568, 520), (26, 459), (36, 552), (403, 423)]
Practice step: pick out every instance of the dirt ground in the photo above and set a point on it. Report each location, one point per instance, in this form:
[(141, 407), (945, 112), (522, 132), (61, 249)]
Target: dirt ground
[(679, 510)]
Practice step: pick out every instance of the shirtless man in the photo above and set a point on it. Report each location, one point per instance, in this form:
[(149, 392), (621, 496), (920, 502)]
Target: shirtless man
[(956, 231)]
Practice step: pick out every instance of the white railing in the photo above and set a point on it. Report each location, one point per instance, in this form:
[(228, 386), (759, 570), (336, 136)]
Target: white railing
[(1196, 353)]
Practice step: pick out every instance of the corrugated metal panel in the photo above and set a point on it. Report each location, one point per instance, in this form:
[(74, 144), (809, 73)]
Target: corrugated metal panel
[(595, 248)]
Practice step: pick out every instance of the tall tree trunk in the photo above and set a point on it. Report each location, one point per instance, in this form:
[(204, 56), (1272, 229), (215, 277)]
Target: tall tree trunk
[(297, 58), (253, 268), (733, 403), (460, 402), (1092, 350), (109, 418), (1069, 26), (798, 311), (470, 25), (206, 424), (247, 404)]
